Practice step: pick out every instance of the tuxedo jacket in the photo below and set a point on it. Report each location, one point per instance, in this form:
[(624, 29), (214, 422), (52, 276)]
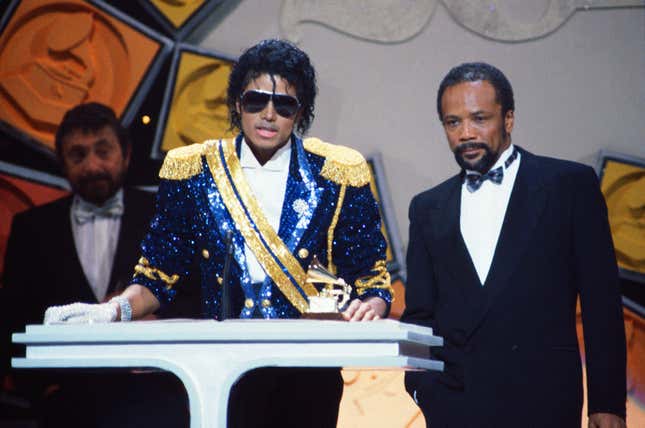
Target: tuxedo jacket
[(42, 267), (510, 346), (329, 211)]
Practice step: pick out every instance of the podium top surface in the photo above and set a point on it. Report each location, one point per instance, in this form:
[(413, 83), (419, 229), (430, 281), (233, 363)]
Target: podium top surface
[(189, 330)]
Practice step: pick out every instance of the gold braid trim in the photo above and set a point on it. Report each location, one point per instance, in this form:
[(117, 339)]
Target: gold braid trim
[(144, 268), (379, 278), (342, 164), (183, 162), (276, 250), (332, 227)]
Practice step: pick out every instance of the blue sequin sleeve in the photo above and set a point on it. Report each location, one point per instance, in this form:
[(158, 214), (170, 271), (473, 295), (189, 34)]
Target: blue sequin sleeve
[(359, 246), (169, 246)]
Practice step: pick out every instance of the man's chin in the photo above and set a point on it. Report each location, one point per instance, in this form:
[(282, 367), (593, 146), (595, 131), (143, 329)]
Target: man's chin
[(470, 164), (97, 195)]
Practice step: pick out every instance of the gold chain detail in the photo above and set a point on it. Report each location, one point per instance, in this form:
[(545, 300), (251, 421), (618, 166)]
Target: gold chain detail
[(342, 164), (332, 227), (144, 268), (380, 278)]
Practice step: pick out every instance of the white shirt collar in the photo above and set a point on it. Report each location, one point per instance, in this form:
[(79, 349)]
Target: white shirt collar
[(278, 162)]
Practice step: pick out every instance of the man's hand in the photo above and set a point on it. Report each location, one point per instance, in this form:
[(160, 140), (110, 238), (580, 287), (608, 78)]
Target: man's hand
[(370, 309), (82, 313), (606, 420)]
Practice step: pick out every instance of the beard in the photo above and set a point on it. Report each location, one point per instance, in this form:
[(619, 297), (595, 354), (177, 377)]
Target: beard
[(98, 188), (483, 164)]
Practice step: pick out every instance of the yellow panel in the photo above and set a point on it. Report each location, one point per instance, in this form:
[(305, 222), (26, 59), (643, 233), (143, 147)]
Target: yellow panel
[(177, 11), (56, 54), (388, 252), (198, 108), (624, 188)]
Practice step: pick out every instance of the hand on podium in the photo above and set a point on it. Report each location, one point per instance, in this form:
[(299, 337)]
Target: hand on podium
[(370, 309), (82, 313)]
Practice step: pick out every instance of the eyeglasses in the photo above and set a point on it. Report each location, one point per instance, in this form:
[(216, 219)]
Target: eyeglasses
[(255, 101)]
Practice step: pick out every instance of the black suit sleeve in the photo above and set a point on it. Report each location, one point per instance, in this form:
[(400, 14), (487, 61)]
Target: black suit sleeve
[(419, 290), (21, 304), (13, 291), (596, 276)]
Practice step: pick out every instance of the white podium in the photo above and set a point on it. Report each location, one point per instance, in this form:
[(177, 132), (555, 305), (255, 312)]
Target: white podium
[(209, 356)]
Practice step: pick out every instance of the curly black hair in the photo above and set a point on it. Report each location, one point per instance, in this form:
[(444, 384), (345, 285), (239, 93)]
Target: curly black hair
[(277, 58), (91, 117), (474, 72)]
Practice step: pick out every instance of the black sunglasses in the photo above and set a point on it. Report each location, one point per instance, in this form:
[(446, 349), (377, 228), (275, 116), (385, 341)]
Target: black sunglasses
[(255, 101)]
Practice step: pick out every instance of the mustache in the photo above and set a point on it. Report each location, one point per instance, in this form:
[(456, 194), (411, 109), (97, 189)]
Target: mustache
[(470, 145), (94, 177), (266, 125)]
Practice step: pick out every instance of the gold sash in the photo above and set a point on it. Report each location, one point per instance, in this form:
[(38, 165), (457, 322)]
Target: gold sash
[(274, 256)]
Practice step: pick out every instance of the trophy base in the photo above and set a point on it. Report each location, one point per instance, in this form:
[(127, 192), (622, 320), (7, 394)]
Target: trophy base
[(333, 316)]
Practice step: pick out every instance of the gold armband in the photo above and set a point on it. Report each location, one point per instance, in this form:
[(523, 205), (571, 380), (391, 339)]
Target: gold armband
[(380, 278), (144, 268)]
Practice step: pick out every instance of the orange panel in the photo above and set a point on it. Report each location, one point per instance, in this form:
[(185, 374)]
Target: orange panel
[(18, 195), (635, 335), (177, 11), (56, 54)]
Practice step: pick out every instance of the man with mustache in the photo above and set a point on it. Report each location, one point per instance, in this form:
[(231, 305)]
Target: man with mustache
[(498, 256), (80, 248), (282, 200)]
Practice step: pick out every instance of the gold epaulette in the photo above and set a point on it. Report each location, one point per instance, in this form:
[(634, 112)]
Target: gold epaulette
[(342, 164), (183, 162)]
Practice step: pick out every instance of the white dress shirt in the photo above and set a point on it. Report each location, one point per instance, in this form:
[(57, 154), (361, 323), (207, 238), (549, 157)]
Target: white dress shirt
[(482, 214), (268, 183), (96, 242)]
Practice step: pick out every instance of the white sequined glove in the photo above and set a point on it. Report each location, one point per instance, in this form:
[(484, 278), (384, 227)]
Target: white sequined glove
[(81, 313)]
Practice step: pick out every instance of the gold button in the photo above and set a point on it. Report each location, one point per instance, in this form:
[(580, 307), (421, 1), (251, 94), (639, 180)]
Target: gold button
[(303, 253), (219, 280), (249, 303), (266, 303), (205, 253)]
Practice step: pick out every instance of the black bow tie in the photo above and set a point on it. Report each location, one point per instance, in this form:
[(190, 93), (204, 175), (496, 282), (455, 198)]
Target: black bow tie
[(474, 180)]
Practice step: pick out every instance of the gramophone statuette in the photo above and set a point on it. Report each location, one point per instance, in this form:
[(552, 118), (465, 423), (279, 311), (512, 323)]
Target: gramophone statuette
[(331, 298)]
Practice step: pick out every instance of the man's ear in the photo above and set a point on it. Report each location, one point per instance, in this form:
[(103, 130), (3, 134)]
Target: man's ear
[(509, 121)]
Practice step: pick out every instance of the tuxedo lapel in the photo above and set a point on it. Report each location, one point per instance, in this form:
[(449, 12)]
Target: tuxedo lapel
[(527, 203), (449, 241), (301, 198)]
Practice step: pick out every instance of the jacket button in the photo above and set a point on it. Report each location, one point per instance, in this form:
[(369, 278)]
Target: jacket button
[(249, 303), (266, 303), (303, 253), (205, 254)]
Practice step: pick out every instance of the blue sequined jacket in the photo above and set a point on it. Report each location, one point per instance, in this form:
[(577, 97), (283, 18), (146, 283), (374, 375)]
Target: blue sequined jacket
[(329, 211)]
